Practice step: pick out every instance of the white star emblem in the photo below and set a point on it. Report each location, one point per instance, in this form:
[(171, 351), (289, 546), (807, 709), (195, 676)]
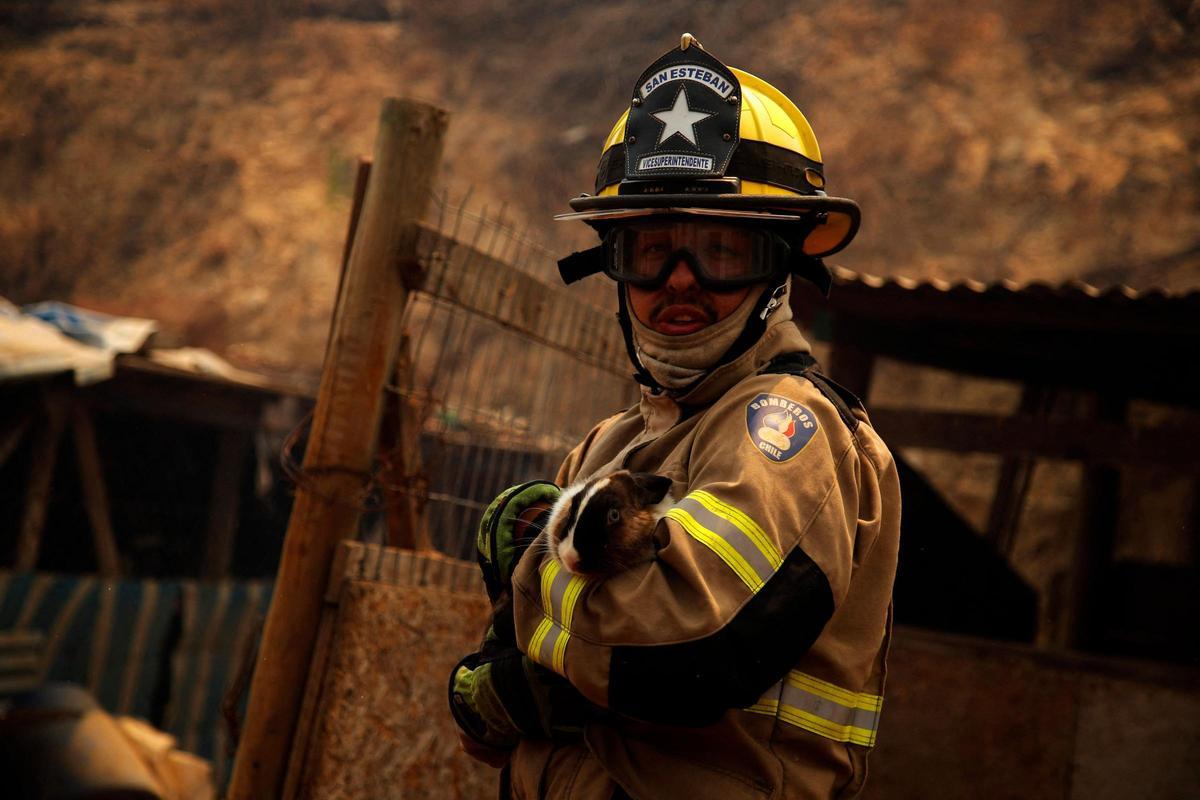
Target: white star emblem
[(680, 119)]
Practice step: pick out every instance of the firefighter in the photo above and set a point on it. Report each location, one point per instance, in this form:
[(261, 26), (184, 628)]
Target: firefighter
[(745, 659)]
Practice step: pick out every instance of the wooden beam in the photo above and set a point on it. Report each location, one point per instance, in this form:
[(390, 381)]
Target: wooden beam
[(362, 174), (1004, 517), (518, 301), (1020, 350), (37, 493), (10, 438), (229, 468), (95, 495), (1087, 440), (341, 446), (1100, 510), (147, 388), (406, 487)]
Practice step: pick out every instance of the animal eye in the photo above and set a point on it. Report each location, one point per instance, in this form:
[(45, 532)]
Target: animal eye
[(614, 515)]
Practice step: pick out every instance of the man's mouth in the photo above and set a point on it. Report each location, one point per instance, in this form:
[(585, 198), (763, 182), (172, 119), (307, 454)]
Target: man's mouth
[(681, 318)]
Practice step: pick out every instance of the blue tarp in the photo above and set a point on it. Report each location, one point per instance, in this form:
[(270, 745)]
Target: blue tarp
[(134, 642)]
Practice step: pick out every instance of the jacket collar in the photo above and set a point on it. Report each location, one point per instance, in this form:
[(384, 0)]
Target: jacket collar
[(778, 339)]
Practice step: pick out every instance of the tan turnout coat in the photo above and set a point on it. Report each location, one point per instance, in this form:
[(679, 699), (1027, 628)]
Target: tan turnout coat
[(747, 659)]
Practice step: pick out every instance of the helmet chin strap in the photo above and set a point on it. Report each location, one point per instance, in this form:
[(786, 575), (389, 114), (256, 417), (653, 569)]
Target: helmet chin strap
[(768, 300), (640, 373)]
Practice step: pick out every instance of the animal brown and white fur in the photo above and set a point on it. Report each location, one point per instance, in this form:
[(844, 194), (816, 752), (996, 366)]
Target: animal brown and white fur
[(606, 524)]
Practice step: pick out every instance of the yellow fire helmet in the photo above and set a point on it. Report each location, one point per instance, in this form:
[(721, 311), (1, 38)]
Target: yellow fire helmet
[(701, 138)]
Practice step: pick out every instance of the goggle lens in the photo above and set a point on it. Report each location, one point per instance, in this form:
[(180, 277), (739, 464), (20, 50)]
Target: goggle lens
[(721, 255)]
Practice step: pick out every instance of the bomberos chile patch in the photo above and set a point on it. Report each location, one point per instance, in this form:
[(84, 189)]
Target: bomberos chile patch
[(778, 427)]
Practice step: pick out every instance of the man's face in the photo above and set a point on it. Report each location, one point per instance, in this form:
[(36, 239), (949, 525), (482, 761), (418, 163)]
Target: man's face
[(680, 305)]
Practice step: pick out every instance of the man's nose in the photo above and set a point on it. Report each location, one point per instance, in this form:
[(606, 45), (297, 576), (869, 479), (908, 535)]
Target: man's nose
[(681, 279)]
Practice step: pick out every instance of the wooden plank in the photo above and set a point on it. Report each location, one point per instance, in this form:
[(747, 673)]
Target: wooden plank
[(168, 394), (359, 361), (362, 174), (37, 492), (1012, 486), (229, 468), (1094, 441), (11, 438), (520, 301), (95, 495), (1100, 510), (405, 484), (1026, 351)]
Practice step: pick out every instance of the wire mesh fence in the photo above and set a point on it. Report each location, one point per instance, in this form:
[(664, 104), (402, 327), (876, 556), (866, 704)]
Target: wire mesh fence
[(502, 372)]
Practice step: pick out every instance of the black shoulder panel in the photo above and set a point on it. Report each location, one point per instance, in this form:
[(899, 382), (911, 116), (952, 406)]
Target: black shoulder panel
[(695, 682), (805, 366)]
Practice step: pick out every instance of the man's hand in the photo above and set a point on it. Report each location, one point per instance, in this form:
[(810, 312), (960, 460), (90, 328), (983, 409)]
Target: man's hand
[(497, 695), (499, 698), (508, 527)]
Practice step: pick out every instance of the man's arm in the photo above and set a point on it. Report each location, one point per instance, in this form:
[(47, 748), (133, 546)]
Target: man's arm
[(761, 548)]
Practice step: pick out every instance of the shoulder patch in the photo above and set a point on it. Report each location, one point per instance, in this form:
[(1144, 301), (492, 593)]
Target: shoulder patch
[(778, 427)]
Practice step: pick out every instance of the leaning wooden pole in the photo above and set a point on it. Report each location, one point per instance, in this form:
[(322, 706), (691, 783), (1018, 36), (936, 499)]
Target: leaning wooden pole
[(364, 341)]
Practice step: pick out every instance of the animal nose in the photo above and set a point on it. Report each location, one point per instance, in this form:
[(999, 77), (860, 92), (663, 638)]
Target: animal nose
[(570, 560)]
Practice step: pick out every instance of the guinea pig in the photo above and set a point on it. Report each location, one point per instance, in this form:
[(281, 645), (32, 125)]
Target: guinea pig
[(605, 524)]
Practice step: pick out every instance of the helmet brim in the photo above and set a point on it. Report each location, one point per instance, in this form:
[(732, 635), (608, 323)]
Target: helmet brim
[(841, 223)]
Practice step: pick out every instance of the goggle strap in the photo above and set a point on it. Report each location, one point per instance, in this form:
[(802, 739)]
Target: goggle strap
[(812, 269), (580, 265)]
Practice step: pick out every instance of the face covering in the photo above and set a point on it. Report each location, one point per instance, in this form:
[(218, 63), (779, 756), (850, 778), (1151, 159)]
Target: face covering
[(678, 361)]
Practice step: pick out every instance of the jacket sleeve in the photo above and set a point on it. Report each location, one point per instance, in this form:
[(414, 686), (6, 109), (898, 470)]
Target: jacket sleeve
[(569, 470), (780, 500)]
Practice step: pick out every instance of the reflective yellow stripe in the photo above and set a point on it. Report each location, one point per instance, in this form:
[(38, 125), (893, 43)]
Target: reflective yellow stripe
[(823, 708), (822, 727), (768, 707), (744, 523), (570, 597), (535, 643), (724, 550), (556, 623), (548, 572)]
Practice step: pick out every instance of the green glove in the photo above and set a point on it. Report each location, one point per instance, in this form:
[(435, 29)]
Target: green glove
[(499, 548), (502, 700)]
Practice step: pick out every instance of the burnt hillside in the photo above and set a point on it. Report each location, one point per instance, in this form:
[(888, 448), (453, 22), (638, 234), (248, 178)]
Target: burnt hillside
[(190, 161)]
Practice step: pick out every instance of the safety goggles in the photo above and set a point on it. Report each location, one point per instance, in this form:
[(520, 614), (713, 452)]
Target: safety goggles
[(721, 255)]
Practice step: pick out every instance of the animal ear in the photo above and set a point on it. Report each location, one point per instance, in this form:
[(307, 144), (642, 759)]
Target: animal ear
[(651, 488)]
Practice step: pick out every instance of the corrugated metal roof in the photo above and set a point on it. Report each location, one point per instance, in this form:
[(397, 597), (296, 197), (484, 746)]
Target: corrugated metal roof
[(1068, 290), (1066, 334)]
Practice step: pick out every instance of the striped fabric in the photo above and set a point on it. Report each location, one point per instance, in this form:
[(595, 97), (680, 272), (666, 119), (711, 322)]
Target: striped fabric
[(822, 708), (732, 535), (112, 637), (560, 592), (217, 619)]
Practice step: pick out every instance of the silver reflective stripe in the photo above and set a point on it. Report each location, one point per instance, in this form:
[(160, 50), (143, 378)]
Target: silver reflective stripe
[(548, 645), (724, 538), (558, 588), (823, 708)]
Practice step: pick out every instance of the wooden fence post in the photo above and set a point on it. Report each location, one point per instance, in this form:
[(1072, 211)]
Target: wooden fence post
[(358, 362)]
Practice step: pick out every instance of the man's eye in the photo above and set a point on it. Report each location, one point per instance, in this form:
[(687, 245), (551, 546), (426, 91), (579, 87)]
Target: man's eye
[(614, 515), (716, 250)]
